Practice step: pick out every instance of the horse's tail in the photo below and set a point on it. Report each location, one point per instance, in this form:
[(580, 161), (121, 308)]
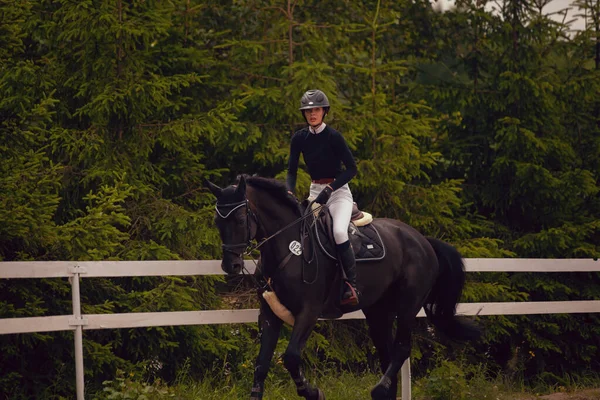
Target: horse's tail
[(440, 306)]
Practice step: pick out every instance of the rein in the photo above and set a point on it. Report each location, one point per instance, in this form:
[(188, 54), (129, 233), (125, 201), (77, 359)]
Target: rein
[(302, 218)]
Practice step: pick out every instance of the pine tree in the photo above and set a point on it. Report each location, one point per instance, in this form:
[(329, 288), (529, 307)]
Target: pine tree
[(106, 162), (476, 127), (512, 140)]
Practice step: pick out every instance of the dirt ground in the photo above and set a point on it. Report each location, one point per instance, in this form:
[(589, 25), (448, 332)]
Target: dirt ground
[(588, 394)]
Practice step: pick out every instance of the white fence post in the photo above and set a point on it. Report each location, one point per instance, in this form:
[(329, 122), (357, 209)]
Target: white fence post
[(78, 322), (406, 380)]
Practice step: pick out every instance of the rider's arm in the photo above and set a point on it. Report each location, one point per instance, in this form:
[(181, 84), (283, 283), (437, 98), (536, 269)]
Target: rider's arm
[(295, 149), (343, 151)]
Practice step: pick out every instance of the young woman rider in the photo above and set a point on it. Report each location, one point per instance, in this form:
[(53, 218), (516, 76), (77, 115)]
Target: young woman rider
[(325, 150)]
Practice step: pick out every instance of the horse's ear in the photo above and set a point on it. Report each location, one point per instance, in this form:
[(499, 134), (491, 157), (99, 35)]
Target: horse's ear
[(241, 187), (213, 188)]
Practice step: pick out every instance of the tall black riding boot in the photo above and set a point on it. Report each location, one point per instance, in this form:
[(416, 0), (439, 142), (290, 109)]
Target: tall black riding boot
[(348, 261)]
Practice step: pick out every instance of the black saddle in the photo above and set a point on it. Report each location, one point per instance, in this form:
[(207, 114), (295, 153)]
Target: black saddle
[(365, 240)]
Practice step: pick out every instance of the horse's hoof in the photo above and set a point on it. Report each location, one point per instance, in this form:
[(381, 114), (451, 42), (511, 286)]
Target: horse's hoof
[(256, 394), (380, 392), (317, 394)]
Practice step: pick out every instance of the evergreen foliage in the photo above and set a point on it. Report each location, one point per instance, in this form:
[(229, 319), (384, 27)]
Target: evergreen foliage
[(481, 128)]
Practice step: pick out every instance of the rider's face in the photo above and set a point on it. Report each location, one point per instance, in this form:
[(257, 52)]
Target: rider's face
[(314, 116)]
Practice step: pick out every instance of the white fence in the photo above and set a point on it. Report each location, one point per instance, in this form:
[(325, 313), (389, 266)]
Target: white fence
[(77, 322)]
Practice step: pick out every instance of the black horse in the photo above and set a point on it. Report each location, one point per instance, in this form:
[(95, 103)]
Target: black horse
[(416, 272)]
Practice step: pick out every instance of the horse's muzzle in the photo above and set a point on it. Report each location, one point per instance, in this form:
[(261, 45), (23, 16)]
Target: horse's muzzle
[(232, 265)]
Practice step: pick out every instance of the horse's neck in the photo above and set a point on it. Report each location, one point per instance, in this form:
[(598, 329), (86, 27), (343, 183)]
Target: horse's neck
[(272, 217), (271, 214)]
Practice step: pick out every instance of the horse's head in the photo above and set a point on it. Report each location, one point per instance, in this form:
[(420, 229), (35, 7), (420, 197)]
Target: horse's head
[(236, 224)]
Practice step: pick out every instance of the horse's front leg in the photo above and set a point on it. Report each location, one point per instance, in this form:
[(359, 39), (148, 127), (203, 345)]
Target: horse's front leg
[(292, 359), (269, 326)]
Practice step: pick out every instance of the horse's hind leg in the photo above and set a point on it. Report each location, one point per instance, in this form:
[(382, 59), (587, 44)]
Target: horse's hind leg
[(292, 358), (406, 303), (387, 386), (380, 321)]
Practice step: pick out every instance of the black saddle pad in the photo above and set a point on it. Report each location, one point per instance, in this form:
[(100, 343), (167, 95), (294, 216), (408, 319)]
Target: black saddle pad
[(365, 240)]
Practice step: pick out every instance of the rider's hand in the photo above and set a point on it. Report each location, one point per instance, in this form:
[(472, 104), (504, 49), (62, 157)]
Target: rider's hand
[(292, 195), (324, 195)]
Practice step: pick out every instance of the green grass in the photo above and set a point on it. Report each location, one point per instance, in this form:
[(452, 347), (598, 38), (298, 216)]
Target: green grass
[(342, 387), (446, 382)]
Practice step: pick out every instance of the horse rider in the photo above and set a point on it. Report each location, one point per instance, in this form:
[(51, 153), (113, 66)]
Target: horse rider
[(324, 150)]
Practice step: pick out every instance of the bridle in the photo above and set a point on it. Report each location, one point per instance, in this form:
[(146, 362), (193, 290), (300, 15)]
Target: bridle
[(231, 248)]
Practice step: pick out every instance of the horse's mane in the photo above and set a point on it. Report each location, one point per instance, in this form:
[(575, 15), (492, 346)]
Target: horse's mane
[(275, 188)]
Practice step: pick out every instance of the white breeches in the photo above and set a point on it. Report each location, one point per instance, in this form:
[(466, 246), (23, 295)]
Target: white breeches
[(340, 206)]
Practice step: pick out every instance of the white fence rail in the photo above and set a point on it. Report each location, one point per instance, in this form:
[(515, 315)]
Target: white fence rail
[(91, 269)]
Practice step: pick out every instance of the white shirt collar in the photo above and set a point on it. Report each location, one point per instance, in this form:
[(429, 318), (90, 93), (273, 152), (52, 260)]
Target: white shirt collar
[(318, 130)]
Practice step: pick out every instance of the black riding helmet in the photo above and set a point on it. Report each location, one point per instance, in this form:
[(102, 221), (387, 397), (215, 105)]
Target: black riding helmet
[(313, 99)]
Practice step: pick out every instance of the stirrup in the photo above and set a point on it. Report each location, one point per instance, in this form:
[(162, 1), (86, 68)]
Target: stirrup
[(353, 299)]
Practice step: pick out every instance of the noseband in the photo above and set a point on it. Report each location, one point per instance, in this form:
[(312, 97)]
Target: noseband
[(231, 248)]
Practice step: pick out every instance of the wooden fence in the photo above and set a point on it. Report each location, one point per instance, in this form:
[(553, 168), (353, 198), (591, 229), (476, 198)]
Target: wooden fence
[(77, 322)]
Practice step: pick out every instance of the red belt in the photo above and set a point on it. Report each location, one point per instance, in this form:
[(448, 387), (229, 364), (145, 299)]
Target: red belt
[(323, 181)]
